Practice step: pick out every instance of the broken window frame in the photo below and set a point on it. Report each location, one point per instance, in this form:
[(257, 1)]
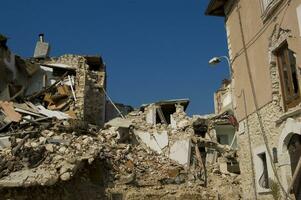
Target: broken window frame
[(290, 88)]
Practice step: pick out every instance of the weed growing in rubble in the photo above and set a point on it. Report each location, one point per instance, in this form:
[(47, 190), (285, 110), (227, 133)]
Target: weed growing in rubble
[(275, 189)]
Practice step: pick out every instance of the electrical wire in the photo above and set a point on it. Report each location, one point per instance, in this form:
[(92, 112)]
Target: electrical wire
[(122, 116)]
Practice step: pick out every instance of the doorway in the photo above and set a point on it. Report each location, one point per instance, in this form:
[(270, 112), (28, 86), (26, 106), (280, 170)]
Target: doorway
[(294, 150)]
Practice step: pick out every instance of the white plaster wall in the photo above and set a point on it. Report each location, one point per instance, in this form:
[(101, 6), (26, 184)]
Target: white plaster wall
[(155, 141)]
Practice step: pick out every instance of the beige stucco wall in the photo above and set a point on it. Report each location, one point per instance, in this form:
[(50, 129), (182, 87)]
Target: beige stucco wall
[(264, 71), (257, 34)]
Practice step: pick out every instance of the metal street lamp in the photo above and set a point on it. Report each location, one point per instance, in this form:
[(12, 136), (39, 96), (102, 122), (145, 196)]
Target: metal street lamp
[(216, 60)]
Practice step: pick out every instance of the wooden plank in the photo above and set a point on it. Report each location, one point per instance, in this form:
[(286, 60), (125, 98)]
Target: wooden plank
[(161, 115), (9, 111), (27, 112)]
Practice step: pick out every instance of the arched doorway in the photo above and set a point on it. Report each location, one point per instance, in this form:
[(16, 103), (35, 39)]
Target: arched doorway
[(294, 150), (289, 153)]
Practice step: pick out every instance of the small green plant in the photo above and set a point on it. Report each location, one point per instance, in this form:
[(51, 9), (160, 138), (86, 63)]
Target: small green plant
[(275, 189)]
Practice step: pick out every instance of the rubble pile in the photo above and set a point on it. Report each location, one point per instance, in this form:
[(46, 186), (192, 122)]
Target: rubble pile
[(44, 157), (54, 153), (151, 169), (53, 139)]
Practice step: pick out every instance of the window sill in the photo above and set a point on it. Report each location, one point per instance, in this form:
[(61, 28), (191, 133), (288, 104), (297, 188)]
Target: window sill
[(291, 113), (264, 191), (270, 10)]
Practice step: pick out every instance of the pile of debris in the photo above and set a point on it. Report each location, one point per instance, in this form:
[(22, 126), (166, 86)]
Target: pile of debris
[(49, 155), (168, 160), (137, 154), (53, 136), (56, 101), (69, 86)]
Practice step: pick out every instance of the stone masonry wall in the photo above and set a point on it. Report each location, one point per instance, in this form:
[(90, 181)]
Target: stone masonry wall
[(80, 87), (94, 101), (90, 103), (269, 114)]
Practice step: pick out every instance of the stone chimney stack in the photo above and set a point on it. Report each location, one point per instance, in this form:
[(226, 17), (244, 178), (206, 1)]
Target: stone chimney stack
[(42, 48)]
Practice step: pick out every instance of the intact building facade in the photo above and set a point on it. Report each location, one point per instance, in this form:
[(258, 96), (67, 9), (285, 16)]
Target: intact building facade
[(264, 42)]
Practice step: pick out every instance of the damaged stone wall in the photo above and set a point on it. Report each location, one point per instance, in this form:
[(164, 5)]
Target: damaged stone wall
[(89, 86), (95, 100), (27, 77)]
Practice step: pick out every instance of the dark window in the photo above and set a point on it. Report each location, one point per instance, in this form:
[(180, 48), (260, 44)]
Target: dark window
[(288, 75), (294, 149), (264, 177), (164, 112)]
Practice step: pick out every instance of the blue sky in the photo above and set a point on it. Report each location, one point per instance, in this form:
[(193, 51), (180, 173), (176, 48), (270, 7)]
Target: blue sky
[(154, 49)]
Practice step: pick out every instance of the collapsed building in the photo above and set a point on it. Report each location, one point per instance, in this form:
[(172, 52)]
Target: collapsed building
[(55, 143), (63, 83)]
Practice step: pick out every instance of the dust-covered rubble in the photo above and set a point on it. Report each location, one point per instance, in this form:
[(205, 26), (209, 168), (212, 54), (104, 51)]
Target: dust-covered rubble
[(54, 143), (55, 154)]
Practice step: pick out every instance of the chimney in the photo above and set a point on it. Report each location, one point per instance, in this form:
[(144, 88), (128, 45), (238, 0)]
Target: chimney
[(41, 37), (42, 48)]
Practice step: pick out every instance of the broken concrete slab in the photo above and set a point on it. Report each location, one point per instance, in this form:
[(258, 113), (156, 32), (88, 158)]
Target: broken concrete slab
[(180, 151), (29, 177)]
